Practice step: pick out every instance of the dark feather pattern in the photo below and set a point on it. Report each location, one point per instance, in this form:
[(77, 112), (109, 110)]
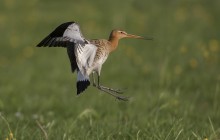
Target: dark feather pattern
[(58, 32), (72, 58), (81, 86), (55, 39)]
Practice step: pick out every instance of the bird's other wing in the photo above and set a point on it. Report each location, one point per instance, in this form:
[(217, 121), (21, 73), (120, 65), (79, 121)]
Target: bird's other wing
[(72, 58), (85, 54), (67, 34)]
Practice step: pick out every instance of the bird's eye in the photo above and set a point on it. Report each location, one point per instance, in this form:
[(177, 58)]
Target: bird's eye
[(122, 32)]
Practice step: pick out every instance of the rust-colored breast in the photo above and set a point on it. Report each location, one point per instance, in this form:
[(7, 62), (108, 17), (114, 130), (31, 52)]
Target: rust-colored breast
[(103, 50)]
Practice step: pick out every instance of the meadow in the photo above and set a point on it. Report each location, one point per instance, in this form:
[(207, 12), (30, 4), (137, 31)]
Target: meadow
[(173, 81)]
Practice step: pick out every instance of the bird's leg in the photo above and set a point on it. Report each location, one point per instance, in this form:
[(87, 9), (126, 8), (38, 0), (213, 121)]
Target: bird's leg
[(110, 91), (123, 98), (107, 88), (93, 78)]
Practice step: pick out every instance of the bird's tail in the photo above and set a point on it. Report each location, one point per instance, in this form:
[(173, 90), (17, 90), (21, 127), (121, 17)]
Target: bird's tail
[(82, 82)]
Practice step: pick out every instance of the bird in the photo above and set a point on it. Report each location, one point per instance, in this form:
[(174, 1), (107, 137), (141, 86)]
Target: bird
[(87, 56)]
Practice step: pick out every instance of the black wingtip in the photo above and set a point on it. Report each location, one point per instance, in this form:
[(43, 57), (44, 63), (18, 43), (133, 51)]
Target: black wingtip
[(44, 41), (58, 32), (81, 86)]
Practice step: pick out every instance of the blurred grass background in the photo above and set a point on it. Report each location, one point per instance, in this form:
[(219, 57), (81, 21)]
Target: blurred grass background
[(173, 81)]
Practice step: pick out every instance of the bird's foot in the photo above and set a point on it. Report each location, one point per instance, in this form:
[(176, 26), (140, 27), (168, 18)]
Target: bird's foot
[(112, 92), (119, 91)]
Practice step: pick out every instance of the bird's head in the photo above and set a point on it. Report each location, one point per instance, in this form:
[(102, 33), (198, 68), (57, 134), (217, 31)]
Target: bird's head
[(122, 34)]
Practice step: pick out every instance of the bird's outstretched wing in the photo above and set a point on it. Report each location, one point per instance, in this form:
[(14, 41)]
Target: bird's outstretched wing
[(67, 34), (80, 51)]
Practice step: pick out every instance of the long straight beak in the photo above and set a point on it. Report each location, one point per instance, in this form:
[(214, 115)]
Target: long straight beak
[(139, 37)]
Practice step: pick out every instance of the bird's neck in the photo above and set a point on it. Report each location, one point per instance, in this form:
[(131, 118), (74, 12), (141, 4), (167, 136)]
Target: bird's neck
[(114, 43)]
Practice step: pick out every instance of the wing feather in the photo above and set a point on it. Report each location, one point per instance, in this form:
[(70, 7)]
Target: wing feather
[(72, 58), (66, 34), (85, 54), (80, 51)]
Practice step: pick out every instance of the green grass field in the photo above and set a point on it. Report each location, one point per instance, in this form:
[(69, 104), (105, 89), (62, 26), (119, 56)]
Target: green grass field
[(173, 81)]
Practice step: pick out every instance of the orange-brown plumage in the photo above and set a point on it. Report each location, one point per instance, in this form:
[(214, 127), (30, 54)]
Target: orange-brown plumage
[(112, 43)]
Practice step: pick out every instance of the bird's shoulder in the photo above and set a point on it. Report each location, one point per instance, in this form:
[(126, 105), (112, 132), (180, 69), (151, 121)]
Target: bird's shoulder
[(100, 42)]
